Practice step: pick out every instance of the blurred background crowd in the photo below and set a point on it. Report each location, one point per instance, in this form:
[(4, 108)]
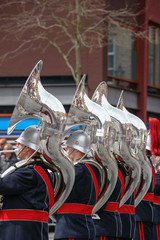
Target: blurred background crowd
[(7, 157)]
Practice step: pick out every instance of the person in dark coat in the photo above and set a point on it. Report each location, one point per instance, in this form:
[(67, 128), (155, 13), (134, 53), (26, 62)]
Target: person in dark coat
[(3, 141), (27, 193), (7, 158), (156, 232), (144, 212), (112, 222), (73, 218), (127, 211)]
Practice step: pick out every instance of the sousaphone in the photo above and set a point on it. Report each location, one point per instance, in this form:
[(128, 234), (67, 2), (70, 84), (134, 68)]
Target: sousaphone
[(97, 122), (123, 139), (35, 102), (141, 140)]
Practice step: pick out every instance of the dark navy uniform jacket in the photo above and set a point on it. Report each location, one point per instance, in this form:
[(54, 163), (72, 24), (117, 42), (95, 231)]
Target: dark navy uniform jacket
[(156, 229), (144, 211), (157, 198), (25, 207), (108, 221), (127, 214), (73, 219)]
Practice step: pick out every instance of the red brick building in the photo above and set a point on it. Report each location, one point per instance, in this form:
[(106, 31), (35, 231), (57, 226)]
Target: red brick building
[(127, 63)]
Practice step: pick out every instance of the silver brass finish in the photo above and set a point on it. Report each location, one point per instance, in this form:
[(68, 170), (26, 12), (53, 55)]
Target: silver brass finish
[(84, 111), (122, 137), (140, 146), (35, 102)]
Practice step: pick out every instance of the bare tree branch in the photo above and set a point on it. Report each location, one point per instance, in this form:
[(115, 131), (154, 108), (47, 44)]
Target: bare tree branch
[(77, 24)]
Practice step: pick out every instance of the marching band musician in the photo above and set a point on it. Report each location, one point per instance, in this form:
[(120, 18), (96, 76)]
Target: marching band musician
[(127, 211), (107, 221), (127, 214), (73, 218), (155, 151), (107, 227), (145, 210), (156, 232), (27, 193)]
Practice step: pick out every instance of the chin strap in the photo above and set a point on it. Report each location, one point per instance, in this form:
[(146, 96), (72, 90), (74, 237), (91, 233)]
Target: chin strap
[(69, 153), (83, 157), (20, 150), (20, 163)]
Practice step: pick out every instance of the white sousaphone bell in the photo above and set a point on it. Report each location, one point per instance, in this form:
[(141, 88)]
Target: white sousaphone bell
[(35, 102), (140, 144), (122, 141), (97, 122)]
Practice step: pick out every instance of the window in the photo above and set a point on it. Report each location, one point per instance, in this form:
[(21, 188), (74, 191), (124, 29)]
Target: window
[(122, 53), (46, 80), (154, 57), (111, 53)]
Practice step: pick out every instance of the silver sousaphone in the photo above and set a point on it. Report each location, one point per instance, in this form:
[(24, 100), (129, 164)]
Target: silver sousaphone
[(98, 124), (123, 139), (35, 102), (141, 140)]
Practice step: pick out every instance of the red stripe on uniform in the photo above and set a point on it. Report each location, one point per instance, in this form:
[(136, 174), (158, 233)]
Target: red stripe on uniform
[(75, 208), (149, 197), (121, 159), (98, 159), (154, 177), (47, 158), (24, 214), (156, 200), (46, 179), (127, 209), (143, 236), (112, 206), (120, 175), (94, 180), (157, 232), (139, 227)]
